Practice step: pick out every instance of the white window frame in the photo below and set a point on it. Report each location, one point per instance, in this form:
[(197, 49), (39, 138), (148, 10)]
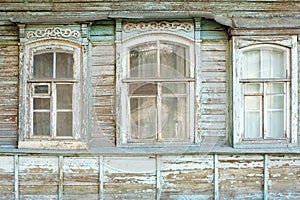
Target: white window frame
[(122, 110), (78, 140), (288, 44)]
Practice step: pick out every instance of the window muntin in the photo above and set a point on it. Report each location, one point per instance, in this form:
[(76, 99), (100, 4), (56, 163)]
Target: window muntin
[(52, 80), (159, 92), (265, 81)]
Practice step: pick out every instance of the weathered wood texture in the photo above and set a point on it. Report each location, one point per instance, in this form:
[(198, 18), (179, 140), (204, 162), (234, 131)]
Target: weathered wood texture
[(154, 177), (240, 13), (8, 93), (214, 102)]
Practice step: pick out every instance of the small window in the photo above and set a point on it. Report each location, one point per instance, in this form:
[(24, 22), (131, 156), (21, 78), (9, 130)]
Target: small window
[(53, 82), (51, 89), (263, 95), (265, 80)]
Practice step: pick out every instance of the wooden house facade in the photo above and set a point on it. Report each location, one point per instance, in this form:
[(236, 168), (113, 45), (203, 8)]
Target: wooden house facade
[(149, 99)]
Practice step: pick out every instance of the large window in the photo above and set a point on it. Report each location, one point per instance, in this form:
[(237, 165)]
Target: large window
[(264, 94), (157, 91)]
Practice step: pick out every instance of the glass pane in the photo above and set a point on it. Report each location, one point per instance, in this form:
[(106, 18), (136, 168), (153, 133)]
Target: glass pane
[(41, 103), (64, 65), (266, 63), (64, 125), (253, 128), (253, 124), (275, 88), (143, 60), (174, 88), (275, 124), (41, 89), (278, 69), (252, 102), (173, 60), (43, 65), (143, 118), (253, 88), (64, 96), (174, 118), (275, 102), (41, 123), (251, 64), (143, 89)]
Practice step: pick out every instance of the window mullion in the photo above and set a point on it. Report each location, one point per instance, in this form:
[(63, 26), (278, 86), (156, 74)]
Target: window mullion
[(53, 110), (158, 59), (159, 104), (54, 65), (264, 112)]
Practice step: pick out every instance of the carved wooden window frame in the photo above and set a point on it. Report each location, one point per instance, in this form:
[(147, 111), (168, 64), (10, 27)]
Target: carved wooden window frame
[(134, 33), (53, 39), (286, 44)]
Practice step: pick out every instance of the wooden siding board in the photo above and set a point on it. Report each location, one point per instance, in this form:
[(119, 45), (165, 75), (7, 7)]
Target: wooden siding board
[(8, 91), (129, 178), (241, 175), (186, 175), (284, 170)]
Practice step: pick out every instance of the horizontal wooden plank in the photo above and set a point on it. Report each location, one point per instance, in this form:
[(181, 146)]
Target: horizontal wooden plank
[(80, 189), (4, 119), (38, 179), (38, 190), (81, 165), (103, 90), (127, 165), (43, 164)]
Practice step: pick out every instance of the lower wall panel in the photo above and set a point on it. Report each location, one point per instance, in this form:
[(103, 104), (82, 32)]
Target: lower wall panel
[(150, 177)]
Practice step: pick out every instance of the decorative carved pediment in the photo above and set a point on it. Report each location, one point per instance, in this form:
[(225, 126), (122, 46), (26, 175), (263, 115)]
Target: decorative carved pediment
[(53, 32), (158, 26)]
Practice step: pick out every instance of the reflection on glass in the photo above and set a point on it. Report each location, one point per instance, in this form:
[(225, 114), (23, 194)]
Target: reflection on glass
[(143, 118)]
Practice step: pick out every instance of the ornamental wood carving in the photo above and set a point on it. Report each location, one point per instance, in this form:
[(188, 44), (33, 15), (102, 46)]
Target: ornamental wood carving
[(53, 32), (158, 26)]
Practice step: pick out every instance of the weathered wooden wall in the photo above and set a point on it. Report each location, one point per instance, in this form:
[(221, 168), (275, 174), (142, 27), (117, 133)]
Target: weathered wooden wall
[(9, 63), (107, 172), (251, 176), (235, 13)]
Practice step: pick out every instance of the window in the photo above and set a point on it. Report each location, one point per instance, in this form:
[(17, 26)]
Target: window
[(158, 83), (52, 102), (156, 89), (53, 88), (264, 94)]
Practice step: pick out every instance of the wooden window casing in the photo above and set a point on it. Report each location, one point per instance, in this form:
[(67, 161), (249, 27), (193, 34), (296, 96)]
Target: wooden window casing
[(264, 92), (51, 87), (160, 79)]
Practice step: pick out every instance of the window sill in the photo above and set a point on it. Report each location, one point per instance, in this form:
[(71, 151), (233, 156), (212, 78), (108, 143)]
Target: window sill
[(52, 144), (265, 145), (207, 149)]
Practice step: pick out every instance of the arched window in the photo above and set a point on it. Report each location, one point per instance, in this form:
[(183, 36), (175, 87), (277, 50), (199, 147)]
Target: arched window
[(264, 92), (266, 82), (52, 102), (158, 83), (156, 89)]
